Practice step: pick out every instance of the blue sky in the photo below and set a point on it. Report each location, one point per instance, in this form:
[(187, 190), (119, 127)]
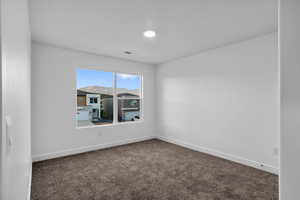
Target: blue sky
[(87, 77)]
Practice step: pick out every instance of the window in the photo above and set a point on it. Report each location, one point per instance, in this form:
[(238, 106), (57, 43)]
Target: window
[(93, 100), (107, 97), (94, 97), (129, 97)]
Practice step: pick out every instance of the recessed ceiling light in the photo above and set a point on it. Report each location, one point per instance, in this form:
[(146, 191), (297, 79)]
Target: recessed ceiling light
[(128, 52), (149, 34)]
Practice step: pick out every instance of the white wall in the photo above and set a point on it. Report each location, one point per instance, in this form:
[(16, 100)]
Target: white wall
[(54, 103), (290, 99), (224, 101), (15, 84)]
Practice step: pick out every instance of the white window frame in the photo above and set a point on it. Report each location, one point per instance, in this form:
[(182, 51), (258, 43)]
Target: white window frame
[(115, 101)]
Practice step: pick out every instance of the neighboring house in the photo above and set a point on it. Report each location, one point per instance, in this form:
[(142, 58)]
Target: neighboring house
[(128, 107), (88, 106), (95, 104)]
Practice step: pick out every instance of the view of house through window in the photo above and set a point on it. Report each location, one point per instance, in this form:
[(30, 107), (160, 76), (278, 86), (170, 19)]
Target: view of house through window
[(128, 92), (96, 91)]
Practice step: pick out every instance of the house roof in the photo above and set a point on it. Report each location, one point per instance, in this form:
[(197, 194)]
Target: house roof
[(106, 91)]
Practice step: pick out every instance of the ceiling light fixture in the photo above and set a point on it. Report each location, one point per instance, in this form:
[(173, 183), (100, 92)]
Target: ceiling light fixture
[(149, 34)]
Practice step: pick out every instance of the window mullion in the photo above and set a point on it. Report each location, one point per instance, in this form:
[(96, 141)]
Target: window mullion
[(141, 98), (115, 99)]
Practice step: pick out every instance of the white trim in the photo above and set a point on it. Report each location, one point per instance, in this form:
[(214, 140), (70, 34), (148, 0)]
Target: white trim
[(279, 42), (233, 158), (29, 182), (115, 98), (112, 124), (74, 151)]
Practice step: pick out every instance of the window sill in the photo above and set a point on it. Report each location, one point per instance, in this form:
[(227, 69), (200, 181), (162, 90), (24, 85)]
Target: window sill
[(113, 124)]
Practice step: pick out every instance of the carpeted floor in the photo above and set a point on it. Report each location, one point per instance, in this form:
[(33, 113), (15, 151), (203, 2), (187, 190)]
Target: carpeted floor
[(149, 170)]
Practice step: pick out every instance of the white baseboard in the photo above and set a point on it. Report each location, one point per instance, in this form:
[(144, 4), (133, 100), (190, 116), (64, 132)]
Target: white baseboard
[(233, 158), (69, 152)]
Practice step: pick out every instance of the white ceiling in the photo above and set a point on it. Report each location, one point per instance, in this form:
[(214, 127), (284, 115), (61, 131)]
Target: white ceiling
[(184, 27)]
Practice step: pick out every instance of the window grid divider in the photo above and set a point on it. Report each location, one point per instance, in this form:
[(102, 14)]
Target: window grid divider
[(115, 99)]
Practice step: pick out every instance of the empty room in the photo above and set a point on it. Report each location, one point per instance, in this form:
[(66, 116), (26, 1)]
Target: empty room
[(149, 100)]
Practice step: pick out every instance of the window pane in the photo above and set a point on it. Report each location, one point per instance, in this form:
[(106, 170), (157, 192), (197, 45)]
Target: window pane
[(94, 97), (129, 97)]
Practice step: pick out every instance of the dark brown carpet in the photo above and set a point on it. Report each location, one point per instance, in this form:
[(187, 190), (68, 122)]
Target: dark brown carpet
[(149, 170)]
